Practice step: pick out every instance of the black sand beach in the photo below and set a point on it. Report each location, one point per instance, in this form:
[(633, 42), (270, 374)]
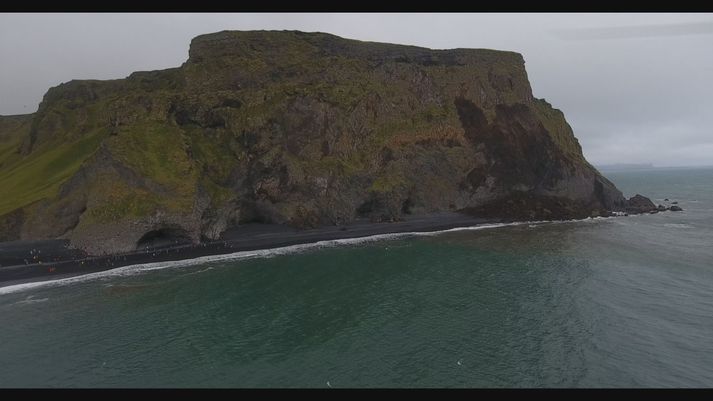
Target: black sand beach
[(27, 261)]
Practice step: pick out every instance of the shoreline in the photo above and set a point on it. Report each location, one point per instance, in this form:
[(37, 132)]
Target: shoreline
[(56, 261)]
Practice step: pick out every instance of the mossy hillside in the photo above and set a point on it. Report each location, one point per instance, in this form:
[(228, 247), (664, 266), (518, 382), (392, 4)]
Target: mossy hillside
[(159, 152), (341, 71), (40, 175), (390, 182), (61, 122), (162, 155), (68, 130), (73, 120), (219, 195), (13, 131), (8, 150), (294, 65), (334, 166), (13, 126), (64, 138), (252, 63), (410, 119), (214, 155), (9, 154), (426, 125), (171, 79), (67, 133), (119, 201), (76, 94), (560, 131)]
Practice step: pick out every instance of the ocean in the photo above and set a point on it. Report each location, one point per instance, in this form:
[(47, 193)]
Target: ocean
[(615, 302)]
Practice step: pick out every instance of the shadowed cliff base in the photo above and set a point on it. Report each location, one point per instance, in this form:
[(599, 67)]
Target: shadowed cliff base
[(29, 261), (25, 261)]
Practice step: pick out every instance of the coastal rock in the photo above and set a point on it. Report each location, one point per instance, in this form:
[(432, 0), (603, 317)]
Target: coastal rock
[(675, 209), (640, 204), (302, 129)]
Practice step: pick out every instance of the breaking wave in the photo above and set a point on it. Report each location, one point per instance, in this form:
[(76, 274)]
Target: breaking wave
[(266, 253)]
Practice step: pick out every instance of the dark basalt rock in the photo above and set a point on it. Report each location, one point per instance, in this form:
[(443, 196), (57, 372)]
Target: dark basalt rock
[(640, 204), (675, 209)]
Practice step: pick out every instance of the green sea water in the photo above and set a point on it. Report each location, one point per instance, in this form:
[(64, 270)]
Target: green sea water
[(619, 302)]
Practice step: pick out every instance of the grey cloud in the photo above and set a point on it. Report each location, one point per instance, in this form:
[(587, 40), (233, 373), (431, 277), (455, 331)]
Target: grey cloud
[(636, 31), (640, 100)]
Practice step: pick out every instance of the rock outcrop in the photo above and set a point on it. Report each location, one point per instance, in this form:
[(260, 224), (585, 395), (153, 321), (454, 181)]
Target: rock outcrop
[(305, 129), (640, 204)]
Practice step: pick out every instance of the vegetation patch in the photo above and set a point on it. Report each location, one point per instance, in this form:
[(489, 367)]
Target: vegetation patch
[(40, 174)]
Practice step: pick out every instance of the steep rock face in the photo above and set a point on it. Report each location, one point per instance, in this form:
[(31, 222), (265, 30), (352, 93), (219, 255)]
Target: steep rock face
[(295, 128)]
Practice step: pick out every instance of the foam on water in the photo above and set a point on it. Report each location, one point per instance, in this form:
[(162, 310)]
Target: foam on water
[(265, 253), (677, 225), (31, 300)]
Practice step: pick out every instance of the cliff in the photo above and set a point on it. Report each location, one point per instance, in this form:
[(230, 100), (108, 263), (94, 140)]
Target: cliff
[(304, 129)]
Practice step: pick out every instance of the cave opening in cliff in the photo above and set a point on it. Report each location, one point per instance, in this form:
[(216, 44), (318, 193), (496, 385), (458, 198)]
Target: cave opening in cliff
[(163, 237), (406, 206)]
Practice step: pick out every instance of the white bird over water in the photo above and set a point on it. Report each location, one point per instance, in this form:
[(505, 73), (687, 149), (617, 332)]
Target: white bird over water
[(459, 364), (329, 385)]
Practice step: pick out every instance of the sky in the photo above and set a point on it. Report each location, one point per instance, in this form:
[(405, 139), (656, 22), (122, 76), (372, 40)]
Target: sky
[(636, 88)]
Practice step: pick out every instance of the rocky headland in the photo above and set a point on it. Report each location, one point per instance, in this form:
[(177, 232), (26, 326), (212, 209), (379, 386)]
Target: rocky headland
[(293, 129)]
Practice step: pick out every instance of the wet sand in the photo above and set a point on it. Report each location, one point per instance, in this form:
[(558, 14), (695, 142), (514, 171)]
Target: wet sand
[(28, 261)]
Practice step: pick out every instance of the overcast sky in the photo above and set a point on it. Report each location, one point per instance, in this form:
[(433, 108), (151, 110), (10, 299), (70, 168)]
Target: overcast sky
[(636, 88)]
